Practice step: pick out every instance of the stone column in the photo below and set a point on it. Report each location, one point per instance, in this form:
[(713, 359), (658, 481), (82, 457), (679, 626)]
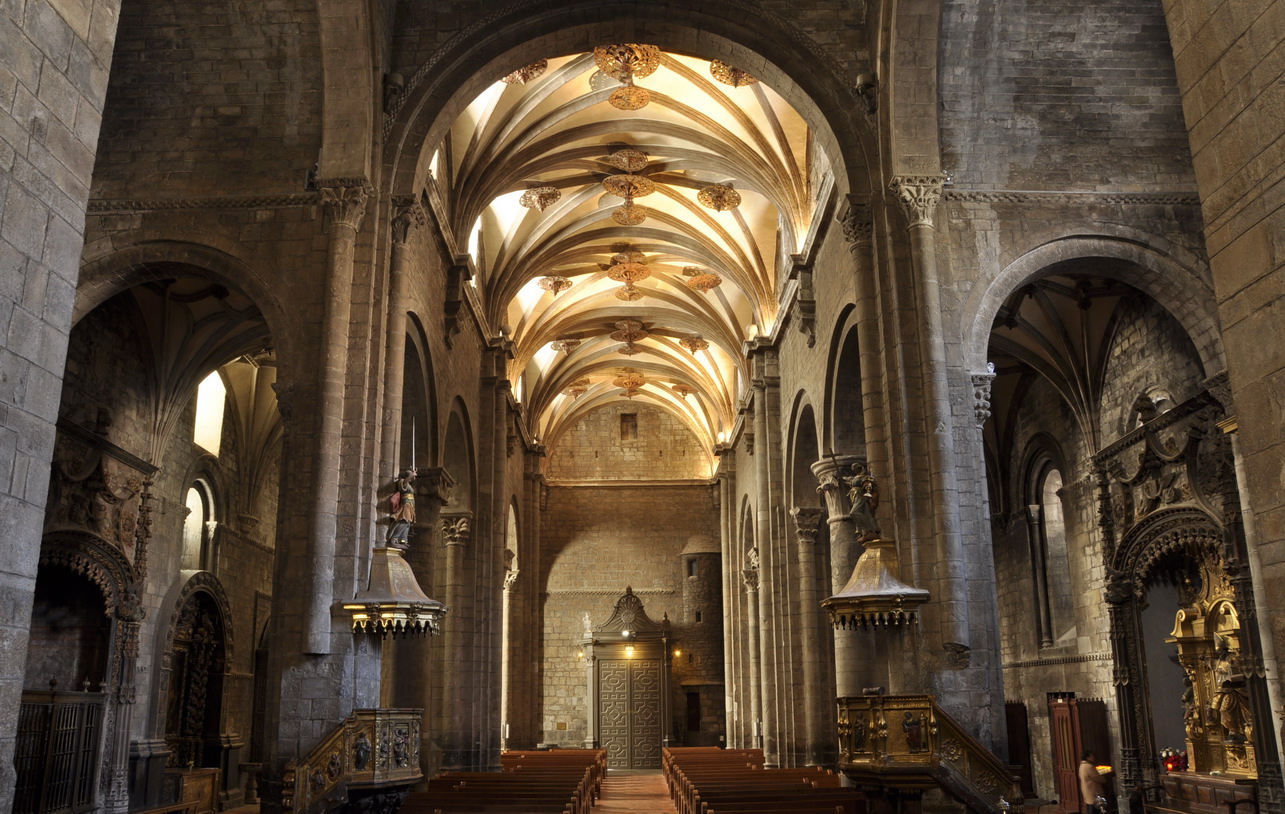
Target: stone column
[(344, 201), (764, 384), (731, 629), (1035, 541), (858, 230), (844, 551), (807, 524), (919, 196), (750, 574), (407, 214), (457, 533)]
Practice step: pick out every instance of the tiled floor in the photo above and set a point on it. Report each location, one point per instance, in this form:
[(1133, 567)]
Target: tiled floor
[(636, 792)]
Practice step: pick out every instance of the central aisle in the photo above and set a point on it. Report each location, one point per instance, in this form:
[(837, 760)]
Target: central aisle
[(634, 792)]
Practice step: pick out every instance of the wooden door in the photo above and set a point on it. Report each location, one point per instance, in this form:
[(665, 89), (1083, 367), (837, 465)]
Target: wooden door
[(1065, 727), (629, 712)]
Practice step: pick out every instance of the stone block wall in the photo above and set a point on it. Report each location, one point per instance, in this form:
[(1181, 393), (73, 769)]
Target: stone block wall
[(1060, 95), (52, 86), (627, 442), (212, 100), (595, 542), (1230, 58)]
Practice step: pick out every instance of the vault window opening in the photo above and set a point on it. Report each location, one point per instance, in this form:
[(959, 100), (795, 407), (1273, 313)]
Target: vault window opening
[(628, 426), (211, 397)]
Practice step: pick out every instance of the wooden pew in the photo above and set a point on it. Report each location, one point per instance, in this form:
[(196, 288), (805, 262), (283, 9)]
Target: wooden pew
[(556, 782), (715, 781)]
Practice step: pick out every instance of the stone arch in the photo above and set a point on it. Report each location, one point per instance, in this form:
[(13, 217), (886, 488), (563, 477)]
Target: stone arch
[(190, 589), (804, 449), (843, 429), (110, 274), (108, 569), (187, 584), (791, 62), (102, 563), (458, 457), (1131, 566), (420, 385), (1040, 451), (1176, 285)]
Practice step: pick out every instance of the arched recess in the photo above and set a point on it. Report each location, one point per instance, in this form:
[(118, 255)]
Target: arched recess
[(804, 451), (419, 398), (1229, 726), (1168, 278), (773, 49), (193, 653), (1044, 466), (458, 459), (97, 712), (844, 430)]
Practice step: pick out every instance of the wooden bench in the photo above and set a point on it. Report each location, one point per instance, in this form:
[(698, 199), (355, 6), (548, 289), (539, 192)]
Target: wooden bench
[(562, 782), (715, 781)]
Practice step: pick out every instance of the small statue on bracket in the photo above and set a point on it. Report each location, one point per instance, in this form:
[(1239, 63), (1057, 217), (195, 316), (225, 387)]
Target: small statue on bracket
[(402, 510), (863, 495)]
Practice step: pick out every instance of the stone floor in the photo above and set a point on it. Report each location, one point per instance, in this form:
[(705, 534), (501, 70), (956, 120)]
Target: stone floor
[(634, 791)]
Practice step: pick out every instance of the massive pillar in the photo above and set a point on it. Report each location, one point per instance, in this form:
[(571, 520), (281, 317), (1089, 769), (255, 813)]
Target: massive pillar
[(919, 196), (345, 206)]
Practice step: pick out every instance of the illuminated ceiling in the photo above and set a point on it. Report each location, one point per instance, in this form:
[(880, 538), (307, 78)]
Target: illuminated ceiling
[(534, 171)]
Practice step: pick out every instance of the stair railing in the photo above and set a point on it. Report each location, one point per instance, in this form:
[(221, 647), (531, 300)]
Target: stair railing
[(909, 743), (372, 752)]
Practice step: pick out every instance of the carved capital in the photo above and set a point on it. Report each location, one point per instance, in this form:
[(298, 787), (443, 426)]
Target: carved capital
[(858, 227), (807, 523), (285, 398), (982, 393), (510, 579), (408, 214), (435, 484), (457, 529), (1219, 386), (751, 577), (832, 484), (919, 195), (344, 201)]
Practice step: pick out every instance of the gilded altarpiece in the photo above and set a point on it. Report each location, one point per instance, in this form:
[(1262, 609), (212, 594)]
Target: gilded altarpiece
[(1169, 512)]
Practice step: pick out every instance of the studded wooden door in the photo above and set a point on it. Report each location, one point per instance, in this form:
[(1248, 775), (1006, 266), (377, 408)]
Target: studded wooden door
[(629, 712)]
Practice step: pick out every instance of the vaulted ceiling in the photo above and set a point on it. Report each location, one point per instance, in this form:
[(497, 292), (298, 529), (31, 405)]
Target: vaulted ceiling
[(579, 183)]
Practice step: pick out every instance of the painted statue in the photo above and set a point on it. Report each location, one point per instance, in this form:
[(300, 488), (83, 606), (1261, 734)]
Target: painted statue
[(402, 509)]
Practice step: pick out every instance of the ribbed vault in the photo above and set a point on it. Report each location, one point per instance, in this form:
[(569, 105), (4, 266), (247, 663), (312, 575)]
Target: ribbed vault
[(655, 224)]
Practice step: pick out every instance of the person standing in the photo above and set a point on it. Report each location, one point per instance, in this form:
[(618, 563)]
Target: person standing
[(1093, 786)]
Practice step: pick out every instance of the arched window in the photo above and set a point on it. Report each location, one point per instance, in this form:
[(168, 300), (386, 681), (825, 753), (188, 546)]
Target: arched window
[(198, 529), (1050, 561)]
